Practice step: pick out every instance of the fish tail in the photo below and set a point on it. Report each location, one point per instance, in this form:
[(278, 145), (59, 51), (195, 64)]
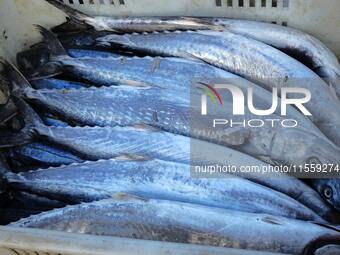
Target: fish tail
[(15, 80), (70, 12), (27, 134), (54, 45), (30, 117), (56, 50)]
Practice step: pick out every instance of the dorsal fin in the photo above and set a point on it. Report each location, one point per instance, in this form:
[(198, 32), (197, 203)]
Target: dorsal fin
[(121, 196), (132, 157)]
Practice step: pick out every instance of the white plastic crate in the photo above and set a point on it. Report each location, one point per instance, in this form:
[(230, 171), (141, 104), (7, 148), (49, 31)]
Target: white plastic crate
[(15, 241), (319, 18)]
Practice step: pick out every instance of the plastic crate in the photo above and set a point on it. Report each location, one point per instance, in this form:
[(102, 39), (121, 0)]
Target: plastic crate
[(319, 18)]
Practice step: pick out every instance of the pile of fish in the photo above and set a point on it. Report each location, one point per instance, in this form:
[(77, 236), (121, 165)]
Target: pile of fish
[(96, 135)]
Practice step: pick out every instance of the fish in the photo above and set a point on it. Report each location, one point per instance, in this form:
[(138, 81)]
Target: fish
[(302, 46), (251, 59), (41, 154), (163, 220), (153, 178), (134, 24), (94, 143), (329, 189)]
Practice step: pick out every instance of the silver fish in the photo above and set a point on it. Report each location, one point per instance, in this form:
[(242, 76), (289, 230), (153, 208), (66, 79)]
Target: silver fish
[(135, 24), (185, 223), (311, 51), (256, 61), (156, 179)]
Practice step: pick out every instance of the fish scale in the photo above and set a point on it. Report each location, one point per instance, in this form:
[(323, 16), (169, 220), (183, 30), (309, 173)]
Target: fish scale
[(156, 179)]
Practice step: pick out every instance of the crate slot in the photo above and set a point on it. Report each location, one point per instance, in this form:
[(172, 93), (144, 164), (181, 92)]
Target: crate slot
[(285, 4), (122, 2), (274, 3), (81, 1), (263, 3), (230, 3), (218, 2), (240, 3), (284, 23), (101, 2), (252, 3), (71, 1)]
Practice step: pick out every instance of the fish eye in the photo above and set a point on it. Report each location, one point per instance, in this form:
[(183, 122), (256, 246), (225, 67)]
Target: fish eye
[(328, 192), (313, 160)]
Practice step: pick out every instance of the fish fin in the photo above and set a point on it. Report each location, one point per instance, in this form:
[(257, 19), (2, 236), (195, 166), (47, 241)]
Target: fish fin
[(112, 39), (156, 63), (52, 42), (333, 91), (70, 26), (137, 84), (46, 71), (235, 136), (121, 196), (271, 220), (145, 127), (70, 12), (26, 134), (31, 118), (192, 57), (56, 50), (205, 22), (132, 157), (18, 82)]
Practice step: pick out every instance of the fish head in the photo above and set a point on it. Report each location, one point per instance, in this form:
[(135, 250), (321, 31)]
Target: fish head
[(299, 147), (329, 189)]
